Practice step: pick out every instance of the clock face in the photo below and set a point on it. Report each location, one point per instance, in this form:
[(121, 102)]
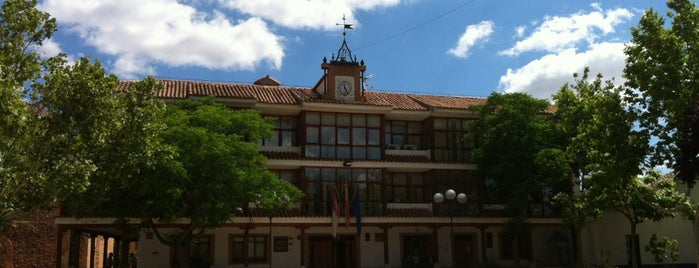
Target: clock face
[(345, 88)]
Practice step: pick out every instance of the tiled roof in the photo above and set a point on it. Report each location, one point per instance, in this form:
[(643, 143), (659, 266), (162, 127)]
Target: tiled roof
[(181, 89)]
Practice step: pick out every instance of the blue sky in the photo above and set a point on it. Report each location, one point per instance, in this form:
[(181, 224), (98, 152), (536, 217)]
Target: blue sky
[(442, 47)]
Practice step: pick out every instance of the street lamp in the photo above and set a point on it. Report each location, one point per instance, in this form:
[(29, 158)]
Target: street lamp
[(450, 195)]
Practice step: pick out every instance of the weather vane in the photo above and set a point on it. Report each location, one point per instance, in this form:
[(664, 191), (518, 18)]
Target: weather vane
[(345, 25)]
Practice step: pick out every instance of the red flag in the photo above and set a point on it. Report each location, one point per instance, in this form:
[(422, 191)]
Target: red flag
[(336, 212), (347, 207)]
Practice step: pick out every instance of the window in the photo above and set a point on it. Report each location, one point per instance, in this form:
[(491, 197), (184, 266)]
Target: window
[(283, 133), (321, 182), (406, 188), (287, 175), (342, 136), (201, 252), (403, 135), (450, 140), (507, 248), (250, 249)]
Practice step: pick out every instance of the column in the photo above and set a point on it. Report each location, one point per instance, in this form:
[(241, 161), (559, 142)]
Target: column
[(385, 247)]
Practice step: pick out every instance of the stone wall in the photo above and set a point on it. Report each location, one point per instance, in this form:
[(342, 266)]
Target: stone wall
[(34, 239)]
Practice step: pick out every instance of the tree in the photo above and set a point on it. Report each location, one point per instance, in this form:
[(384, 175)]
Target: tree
[(22, 27), (606, 153), (662, 72), (60, 123), (518, 149), (215, 169)]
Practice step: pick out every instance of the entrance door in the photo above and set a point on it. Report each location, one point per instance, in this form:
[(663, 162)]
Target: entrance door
[(332, 253), (416, 251), (464, 251)]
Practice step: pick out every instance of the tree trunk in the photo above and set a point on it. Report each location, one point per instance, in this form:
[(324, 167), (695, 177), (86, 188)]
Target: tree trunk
[(182, 258), (6, 253), (632, 244), (578, 260), (695, 227), (515, 251)]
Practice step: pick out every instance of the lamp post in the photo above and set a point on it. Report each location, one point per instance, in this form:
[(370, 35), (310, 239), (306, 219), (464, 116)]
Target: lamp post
[(450, 195)]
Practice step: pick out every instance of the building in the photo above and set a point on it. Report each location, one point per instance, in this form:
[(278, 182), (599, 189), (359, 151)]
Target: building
[(385, 153)]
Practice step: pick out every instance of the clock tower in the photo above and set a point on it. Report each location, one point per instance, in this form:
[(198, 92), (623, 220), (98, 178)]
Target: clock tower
[(343, 76)]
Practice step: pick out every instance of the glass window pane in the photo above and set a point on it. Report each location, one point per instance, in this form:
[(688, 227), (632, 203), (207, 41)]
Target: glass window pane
[(440, 123), (312, 135), (288, 122), (343, 120), (344, 174), (343, 136), (273, 140), (400, 194), (327, 152), (397, 140), (359, 152), (312, 151), (455, 124), (414, 140), (400, 179), (440, 139), (414, 128), (344, 152), (260, 250), (288, 138), (374, 175), (374, 153), (358, 120), (358, 136), (374, 137), (327, 174), (374, 120), (399, 127), (327, 119), (327, 135), (312, 118), (312, 174)]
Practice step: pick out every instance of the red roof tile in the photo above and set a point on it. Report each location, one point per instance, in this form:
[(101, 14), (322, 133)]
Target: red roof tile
[(181, 89)]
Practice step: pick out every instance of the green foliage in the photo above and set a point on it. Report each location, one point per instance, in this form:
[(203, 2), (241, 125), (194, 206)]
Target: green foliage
[(22, 27), (606, 258), (666, 249), (604, 151), (518, 147), (222, 167), (662, 72)]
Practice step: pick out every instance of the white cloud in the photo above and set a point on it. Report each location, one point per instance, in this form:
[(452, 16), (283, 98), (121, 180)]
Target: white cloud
[(556, 34), (519, 30), (48, 48), (545, 76), (313, 14), (167, 32), (470, 37)]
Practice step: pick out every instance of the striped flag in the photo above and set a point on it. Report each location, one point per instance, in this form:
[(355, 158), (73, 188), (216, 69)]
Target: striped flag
[(347, 207), (336, 212)]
